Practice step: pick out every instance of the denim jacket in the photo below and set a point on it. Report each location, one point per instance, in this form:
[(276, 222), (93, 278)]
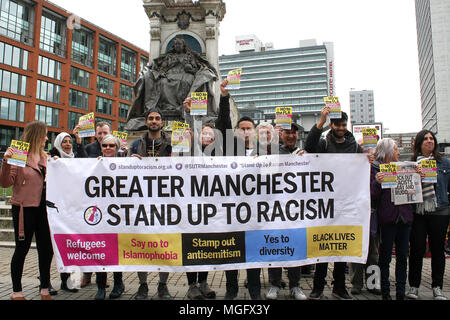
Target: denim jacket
[(443, 180)]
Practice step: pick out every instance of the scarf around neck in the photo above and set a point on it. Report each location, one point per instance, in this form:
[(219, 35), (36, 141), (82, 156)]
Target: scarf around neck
[(429, 203)]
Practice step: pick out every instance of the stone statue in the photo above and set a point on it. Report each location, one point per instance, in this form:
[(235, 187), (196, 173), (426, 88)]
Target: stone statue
[(168, 81)]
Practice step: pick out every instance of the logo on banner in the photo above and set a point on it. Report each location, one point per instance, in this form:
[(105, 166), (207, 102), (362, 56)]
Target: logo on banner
[(113, 166), (92, 216)]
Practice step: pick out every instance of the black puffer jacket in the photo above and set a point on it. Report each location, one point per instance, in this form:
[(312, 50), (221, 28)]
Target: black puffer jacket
[(316, 144)]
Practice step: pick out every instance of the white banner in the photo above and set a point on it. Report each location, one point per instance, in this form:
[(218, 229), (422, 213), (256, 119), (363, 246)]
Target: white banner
[(198, 214)]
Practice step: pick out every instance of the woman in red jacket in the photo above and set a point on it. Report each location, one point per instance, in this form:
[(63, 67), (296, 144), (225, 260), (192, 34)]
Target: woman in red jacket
[(29, 209)]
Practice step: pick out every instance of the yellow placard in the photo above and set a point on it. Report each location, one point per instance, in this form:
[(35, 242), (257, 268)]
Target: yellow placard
[(388, 167), (369, 132), (331, 100), (283, 110), (334, 241), (199, 96), (429, 164), (20, 145), (120, 135), (180, 125), (150, 249)]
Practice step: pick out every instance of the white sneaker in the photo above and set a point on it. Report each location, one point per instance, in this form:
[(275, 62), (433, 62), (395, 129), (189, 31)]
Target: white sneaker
[(413, 293), (437, 294), (297, 294), (273, 293)]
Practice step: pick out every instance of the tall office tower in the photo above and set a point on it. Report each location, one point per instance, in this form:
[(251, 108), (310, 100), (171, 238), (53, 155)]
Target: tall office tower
[(433, 36), (362, 109), (296, 77)]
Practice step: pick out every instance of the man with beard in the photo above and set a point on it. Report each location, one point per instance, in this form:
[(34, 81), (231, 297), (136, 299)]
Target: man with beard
[(153, 143), (337, 140)]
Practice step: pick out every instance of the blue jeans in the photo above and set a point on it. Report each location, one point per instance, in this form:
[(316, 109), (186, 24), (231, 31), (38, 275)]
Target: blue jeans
[(390, 233)]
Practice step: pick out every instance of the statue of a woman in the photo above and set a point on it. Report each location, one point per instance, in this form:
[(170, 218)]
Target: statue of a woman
[(168, 81)]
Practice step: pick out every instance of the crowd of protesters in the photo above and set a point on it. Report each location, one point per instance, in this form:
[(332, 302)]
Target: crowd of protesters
[(408, 226)]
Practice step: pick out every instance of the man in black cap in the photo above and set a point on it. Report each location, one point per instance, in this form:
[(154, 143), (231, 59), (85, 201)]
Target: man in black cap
[(337, 140), (153, 143)]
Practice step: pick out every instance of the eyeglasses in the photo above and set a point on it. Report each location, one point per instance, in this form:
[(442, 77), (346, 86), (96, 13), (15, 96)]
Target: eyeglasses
[(104, 145)]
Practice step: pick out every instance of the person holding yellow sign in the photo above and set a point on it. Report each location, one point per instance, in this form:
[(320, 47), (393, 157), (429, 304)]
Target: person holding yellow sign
[(29, 208), (338, 140), (394, 222), (431, 218)]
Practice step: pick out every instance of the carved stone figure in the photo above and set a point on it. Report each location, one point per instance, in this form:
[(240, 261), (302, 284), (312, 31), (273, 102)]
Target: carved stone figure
[(168, 81)]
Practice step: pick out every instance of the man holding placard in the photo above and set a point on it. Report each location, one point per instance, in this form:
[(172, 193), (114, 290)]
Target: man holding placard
[(154, 143), (94, 149)]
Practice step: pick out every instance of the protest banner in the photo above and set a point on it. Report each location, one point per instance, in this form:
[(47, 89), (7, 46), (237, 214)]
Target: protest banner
[(284, 117), (335, 107), (199, 105), (20, 153), (429, 168), (181, 138), (234, 79), (200, 213), (87, 126), (409, 184), (370, 138)]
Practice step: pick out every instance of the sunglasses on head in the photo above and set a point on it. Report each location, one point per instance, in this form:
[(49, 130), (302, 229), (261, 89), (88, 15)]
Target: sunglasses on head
[(105, 145)]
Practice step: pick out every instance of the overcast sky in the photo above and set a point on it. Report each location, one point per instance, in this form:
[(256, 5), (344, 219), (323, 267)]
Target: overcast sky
[(375, 42)]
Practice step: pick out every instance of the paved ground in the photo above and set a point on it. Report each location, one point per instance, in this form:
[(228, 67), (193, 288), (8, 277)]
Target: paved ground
[(178, 283)]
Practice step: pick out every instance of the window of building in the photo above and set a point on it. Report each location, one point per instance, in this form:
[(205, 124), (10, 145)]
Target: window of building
[(53, 34), (7, 134), (122, 126), (144, 62), (128, 65), (13, 56), (78, 99), (126, 92), (48, 115), (48, 91), (12, 110), (123, 110), (13, 83), (16, 21), (107, 56), (105, 85), (79, 77), (98, 119), (49, 68), (73, 119), (82, 46), (104, 105)]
